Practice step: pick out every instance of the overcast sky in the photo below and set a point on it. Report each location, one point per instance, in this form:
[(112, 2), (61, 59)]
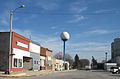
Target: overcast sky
[(92, 24)]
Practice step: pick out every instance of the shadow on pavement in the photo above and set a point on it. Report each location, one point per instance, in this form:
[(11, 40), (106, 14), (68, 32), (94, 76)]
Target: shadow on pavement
[(98, 70), (116, 75)]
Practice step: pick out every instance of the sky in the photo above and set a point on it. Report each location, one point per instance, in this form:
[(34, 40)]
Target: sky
[(92, 24)]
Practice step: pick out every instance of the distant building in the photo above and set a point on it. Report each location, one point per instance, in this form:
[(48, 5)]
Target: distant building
[(60, 65), (53, 63), (45, 59), (42, 58), (48, 59), (115, 50)]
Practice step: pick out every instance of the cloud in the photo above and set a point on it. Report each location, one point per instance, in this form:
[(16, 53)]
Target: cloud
[(47, 5), (103, 11), (53, 27), (94, 32), (77, 8), (4, 18), (89, 49), (90, 46), (77, 19), (98, 31)]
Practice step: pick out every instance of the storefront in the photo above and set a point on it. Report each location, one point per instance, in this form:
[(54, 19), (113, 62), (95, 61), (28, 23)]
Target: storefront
[(21, 53), (35, 55), (53, 64), (48, 59), (42, 62), (59, 64)]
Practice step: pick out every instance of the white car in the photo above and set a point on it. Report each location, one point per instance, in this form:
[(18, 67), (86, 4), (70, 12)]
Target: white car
[(115, 70), (88, 67)]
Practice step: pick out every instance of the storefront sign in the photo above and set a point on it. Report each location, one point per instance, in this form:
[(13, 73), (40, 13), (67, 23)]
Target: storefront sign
[(22, 45)]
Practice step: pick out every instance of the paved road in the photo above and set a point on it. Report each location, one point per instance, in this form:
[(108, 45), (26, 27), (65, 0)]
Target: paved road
[(75, 75)]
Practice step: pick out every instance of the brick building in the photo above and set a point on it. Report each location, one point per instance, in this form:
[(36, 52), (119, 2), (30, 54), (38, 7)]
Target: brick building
[(42, 58), (48, 59), (19, 58)]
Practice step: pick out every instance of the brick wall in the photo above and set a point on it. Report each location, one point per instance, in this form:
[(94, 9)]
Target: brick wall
[(43, 51)]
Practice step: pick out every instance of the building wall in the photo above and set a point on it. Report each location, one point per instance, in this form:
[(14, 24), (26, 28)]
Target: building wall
[(66, 65), (112, 52), (115, 49), (48, 59), (35, 48), (53, 63), (43, 58), (35, 54), (59, 64), (4, 51), (20, 47), (42, 62), (42, 51), (35, 61)]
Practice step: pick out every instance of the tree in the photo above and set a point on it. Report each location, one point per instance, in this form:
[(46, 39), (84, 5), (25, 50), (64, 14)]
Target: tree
[(58, 56), (69, 59), (94, 62), (76, 62)]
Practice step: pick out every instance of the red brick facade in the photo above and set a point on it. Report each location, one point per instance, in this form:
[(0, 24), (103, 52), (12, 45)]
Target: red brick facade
[(18, 38)]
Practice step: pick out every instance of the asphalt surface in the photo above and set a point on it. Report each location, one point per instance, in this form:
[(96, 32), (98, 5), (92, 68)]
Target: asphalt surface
[(79, 74)]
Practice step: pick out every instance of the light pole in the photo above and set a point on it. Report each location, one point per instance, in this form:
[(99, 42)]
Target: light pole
[(10, 47), (106, 57), (64, 36)]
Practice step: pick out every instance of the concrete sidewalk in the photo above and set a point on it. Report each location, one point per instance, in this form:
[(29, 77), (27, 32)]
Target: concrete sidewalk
[(30, 73)]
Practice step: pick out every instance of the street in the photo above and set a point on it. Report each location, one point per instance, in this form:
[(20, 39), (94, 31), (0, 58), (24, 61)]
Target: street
[(79, 74)]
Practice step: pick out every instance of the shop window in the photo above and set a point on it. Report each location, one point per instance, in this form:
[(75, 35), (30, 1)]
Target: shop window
[(34, 62), (20, 62), (37, 62), (15, 62), (49, 63), (59, 66), (42, 63)]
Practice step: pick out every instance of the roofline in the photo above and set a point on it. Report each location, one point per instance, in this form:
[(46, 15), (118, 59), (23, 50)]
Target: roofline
[(35, 43)]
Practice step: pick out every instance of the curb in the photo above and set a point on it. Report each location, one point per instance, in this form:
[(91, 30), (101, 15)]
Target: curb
[(28, 75), (15, 75)]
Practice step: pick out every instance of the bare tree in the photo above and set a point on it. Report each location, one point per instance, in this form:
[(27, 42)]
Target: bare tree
[(58, 56)]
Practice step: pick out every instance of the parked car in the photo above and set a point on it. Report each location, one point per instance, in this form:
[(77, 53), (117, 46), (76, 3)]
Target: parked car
[(115, 70), (87, 67)]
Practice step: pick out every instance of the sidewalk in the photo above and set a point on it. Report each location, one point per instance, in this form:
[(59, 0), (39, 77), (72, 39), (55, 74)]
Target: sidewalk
[(30, 73)]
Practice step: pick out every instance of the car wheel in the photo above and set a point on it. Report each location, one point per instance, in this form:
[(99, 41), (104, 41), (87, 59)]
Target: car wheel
[(113, 72)]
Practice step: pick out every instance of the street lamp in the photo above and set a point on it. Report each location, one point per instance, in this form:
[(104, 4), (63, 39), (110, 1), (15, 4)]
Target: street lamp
[(64, 36), (106, 56), (10, 47)]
